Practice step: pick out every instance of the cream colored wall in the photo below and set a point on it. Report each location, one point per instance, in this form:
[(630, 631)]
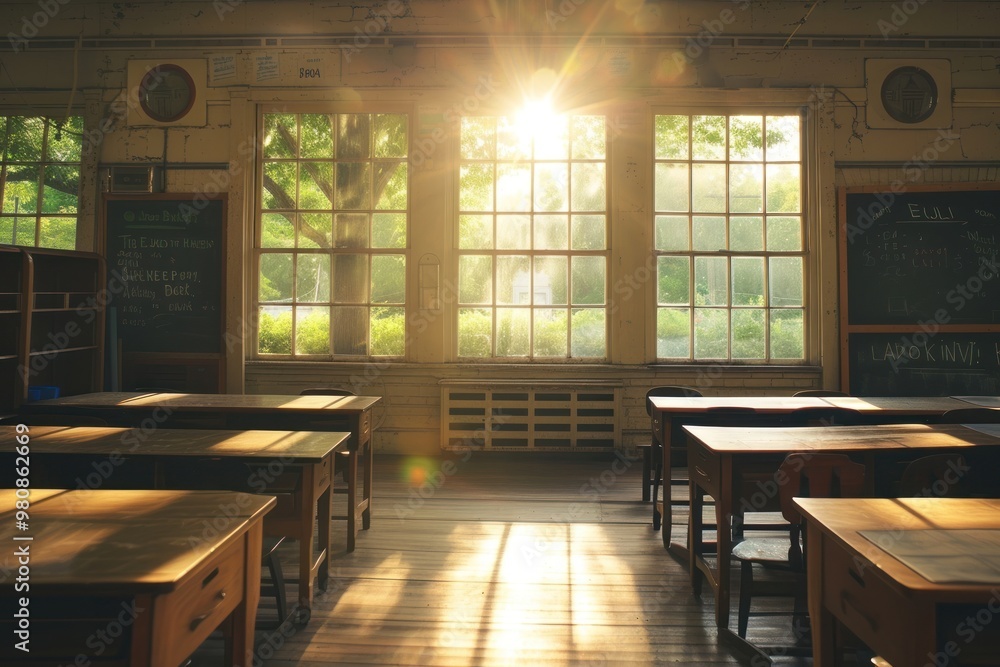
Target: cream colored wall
[(434, 57)]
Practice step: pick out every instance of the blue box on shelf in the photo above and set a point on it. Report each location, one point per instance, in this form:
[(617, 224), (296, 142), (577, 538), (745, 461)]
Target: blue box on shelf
[(42, 392)]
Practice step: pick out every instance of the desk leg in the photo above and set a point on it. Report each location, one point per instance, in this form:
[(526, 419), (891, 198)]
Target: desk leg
[(239, 639), (666, 516), (695, 528), (821, 620), (324, 514), (366, 515), (723, 541), (304, 531)]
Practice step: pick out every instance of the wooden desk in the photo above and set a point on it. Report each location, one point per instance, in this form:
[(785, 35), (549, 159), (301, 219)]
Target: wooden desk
[(905, 618), (671, 413), (138, 563), (719, 458), (296, 466), (242, 411)]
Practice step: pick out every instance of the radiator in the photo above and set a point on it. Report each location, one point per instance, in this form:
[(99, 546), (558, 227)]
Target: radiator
[(526, 415)]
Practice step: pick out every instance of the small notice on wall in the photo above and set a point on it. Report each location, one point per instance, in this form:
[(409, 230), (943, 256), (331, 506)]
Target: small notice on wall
[(223, 68), (267, 67)]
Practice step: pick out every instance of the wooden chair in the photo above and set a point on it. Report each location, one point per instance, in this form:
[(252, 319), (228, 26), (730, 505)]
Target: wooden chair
[(347, 466), (938, 476), (819, 392), (807, 475), (271, 561), (652, 454)]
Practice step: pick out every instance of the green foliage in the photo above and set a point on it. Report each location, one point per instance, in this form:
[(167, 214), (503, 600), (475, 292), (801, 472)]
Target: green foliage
[(274, 332)]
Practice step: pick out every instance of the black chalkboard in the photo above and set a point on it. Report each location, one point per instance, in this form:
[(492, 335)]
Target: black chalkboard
[(924, 364), (165, 272), (926, 256)]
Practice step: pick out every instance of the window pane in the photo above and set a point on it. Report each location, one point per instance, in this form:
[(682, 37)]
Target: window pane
[(317, 136), (512, 144), (391, 136), (513, 284), (20, 193), (280, 141), (550, 281), (315, 230), (588, 232), (746, 138), (315, 185), (552, 140), (588, 137), (708, 141), (513, 187), (551, 187), (783, 140), (389, 230), (588, 187), (275, 277), (671, 137), (783, 188), (277, 231), (672, 232), (388, 279), (746, 188), (474, 332), (551, 232), (784, 233), (673, 333), (748, 281), (388, 331), (274, 330), (746, 234), (350, 278), (6, 230), (588, 280), (709, 233), (475, 231), (353, 186), (312, 330), (749, 336), (672, 187), (350, 230), (513, 232), (711, 281), (478, 137), (61, 189), (350, 326), (708, 188), (475, 279), (673, 281), (787, 334), (58, 233), (25, 231), (313, 278), (711, 333), (279, 185), (476, 188), (353, 136), (25, 139), (513, 332), (786, 281), (390, 187), (550, 334), (588, 333), (68, 147)]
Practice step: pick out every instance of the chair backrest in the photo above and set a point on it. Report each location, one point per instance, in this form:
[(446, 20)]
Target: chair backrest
[(326, 391), (814, 476), (819, 392), (971, 416), (668, 390), (63, 420), (830, 416), (938, 475)]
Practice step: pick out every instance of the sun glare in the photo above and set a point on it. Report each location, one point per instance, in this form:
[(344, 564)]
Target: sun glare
[(537, 122)]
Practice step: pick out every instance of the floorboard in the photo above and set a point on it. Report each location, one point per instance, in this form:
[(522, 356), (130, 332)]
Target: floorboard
[(501, 559)]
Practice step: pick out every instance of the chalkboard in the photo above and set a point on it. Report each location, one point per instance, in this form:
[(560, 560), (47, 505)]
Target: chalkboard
[(165, 257), (923, 256), (924, 364)]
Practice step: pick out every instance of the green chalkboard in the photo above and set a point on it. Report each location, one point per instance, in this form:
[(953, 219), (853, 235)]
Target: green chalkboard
[(165, 257), (915, 257)]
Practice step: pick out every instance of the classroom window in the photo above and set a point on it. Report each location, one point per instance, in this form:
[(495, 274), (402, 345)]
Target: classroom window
[(532, 237), (332, 234), (728, 230), (40, 180)]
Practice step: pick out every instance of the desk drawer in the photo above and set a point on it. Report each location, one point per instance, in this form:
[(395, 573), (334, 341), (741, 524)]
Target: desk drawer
[(365, 427), (703, 469), (188, 615), (867, 605)]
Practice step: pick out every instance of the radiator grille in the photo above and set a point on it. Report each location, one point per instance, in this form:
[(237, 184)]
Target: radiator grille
[(518, 416)]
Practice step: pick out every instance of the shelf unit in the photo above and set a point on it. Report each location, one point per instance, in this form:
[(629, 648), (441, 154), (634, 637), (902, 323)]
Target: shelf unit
[(52, 326)]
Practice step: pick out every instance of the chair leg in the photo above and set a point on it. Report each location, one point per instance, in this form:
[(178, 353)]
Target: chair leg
[(647, 469), (746, 585), (658, 474), (278, 581)]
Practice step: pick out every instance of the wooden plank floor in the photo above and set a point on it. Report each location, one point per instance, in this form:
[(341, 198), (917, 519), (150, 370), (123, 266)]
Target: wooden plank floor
[(501, 559)]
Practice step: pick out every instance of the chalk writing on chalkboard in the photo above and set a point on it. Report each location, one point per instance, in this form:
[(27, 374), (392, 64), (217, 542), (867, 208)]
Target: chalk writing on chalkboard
[(924, 364), (918, 257), (167, 254)]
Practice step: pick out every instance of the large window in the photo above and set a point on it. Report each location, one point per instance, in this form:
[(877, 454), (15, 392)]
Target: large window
[(532, 239), (728, 231), (40, 180), (332, 235)]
